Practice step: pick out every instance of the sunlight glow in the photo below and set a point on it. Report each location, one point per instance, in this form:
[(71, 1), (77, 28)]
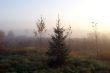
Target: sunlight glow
[(90, 10), (77, 13)]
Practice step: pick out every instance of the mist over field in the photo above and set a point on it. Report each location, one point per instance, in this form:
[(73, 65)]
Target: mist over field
[(54, 36)]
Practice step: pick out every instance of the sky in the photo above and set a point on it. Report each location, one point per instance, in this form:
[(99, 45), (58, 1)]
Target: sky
[(23, 14)]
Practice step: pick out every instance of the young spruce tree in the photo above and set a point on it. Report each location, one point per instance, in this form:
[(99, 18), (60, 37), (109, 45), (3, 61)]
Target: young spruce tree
[(57, 53)]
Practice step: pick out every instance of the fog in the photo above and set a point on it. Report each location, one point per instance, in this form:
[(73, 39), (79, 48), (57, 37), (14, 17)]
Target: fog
[(23, 15)]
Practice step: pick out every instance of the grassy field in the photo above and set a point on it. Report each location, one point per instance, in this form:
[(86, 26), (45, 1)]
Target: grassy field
[(31, 61)]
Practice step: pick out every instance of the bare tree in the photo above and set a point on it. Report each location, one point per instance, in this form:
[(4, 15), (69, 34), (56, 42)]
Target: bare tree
[(40, 29), (96, 37)]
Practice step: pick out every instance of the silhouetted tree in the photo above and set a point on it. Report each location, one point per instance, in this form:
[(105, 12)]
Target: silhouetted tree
[(2, 42), (58, 52), (40, 30), (40, 27), (10, 39), (96, 38)]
